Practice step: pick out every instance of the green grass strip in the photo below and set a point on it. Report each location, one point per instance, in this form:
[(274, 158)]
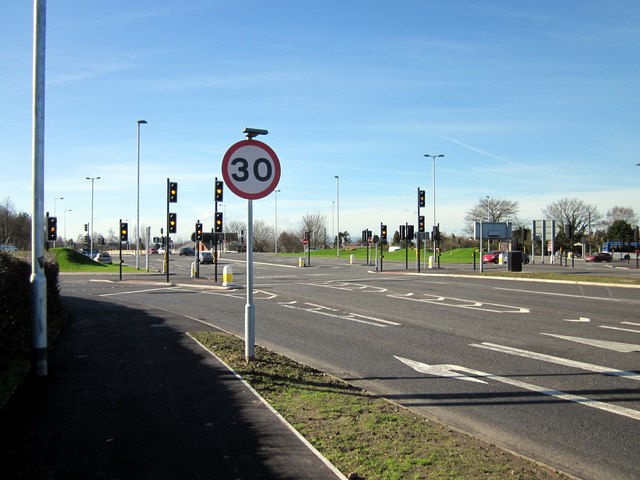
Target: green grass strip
[(365, 434)]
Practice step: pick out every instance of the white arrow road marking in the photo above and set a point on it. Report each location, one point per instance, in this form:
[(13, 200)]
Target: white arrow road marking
[(581, 319), (615, 346), (557, 360), (449, 371)]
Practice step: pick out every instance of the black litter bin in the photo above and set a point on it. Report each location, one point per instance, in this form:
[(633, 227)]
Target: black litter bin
[(514, 263)]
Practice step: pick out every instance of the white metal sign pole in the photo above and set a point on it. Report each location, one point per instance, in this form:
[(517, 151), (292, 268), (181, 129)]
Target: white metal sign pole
[(249, 311)]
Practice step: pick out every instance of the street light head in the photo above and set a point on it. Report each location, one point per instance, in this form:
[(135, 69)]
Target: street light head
[(254, 132), (336, 176), (142, 122)]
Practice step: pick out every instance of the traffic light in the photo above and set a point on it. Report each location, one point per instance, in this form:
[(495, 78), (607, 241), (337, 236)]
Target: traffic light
[(52, 229), (124, 232), (435, 234), (198, 231), (383, 233), (173, 192), (173, 223), (218, 228), (86, 227), (219, 190), (86, 239), (422, 201), (421, 223), (410, 232)]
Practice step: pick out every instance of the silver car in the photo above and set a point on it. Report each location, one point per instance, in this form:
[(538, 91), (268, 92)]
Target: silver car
[(103, 257), (205, 257)]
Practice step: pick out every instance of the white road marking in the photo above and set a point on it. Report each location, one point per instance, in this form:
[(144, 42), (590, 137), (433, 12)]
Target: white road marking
[(331, 312), (555, 294), (463, 303), (557, 360), (620, 328), (449, 371), (631, 323), (350, 287), (137, 291), (581, 319), (615, 346)]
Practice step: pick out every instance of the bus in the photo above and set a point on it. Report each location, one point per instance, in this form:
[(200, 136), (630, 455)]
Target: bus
[(615, 247)]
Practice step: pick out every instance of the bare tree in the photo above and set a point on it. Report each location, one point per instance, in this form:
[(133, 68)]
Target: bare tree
[(15, 228), (289, 242), (316, 225), (491, 210), (263, 237), (620, 213), (574, 213)]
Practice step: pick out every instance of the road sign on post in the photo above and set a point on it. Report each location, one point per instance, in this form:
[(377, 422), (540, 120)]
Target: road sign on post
[(251, 170)]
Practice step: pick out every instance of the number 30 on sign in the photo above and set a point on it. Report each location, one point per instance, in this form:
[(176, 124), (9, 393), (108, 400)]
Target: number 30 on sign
[(251, 169)]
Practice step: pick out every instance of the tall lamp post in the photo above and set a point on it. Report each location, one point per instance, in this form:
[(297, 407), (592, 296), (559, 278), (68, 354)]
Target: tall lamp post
[(434, 184), (139, 122), (93, 179), (338, 211), (64, 229), (488, 217), (276, 235), (54, 204)]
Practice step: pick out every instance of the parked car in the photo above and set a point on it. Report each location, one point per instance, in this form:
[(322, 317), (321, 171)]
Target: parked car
[(205, 257), (103, 257), (491, 257), (599, 257), (153, 251), (187, 251)]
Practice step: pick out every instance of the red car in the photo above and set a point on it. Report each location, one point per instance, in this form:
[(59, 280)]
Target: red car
[(491, 257), (599, 257)]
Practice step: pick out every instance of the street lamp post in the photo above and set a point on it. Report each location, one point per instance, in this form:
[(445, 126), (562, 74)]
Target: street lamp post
[(338, 211), (276, 235), (93, 179), (54, 204), (139, 122), (64, 229), (434, 184), (488, 218)]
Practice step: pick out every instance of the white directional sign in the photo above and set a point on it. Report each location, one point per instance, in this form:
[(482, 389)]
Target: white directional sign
[(251, 169)]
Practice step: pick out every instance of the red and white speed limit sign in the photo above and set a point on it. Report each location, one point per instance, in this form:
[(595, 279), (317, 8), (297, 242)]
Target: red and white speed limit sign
[(251, 169)]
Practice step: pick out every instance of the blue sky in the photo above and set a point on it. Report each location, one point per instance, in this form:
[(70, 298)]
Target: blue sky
[(528, 101)]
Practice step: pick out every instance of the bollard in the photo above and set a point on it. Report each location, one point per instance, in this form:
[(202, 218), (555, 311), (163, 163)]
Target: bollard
[(301, 262), (351, 259), (227, 275), (431, 261), (193, 269)]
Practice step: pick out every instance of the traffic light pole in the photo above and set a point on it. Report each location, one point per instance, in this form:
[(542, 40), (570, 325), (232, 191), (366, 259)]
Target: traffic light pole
[(120, 248), (215, 242), (166, 247), (418, 240), (197, 250)]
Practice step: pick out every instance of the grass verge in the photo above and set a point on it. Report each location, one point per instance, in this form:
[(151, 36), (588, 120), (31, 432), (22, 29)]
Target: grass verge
[(70, 260), (363, 434)]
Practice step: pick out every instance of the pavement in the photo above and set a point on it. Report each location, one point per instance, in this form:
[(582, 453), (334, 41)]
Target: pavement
[(130, 396)]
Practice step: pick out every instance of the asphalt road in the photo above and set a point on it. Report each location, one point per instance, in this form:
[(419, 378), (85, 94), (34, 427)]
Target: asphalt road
[(548, 370)]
